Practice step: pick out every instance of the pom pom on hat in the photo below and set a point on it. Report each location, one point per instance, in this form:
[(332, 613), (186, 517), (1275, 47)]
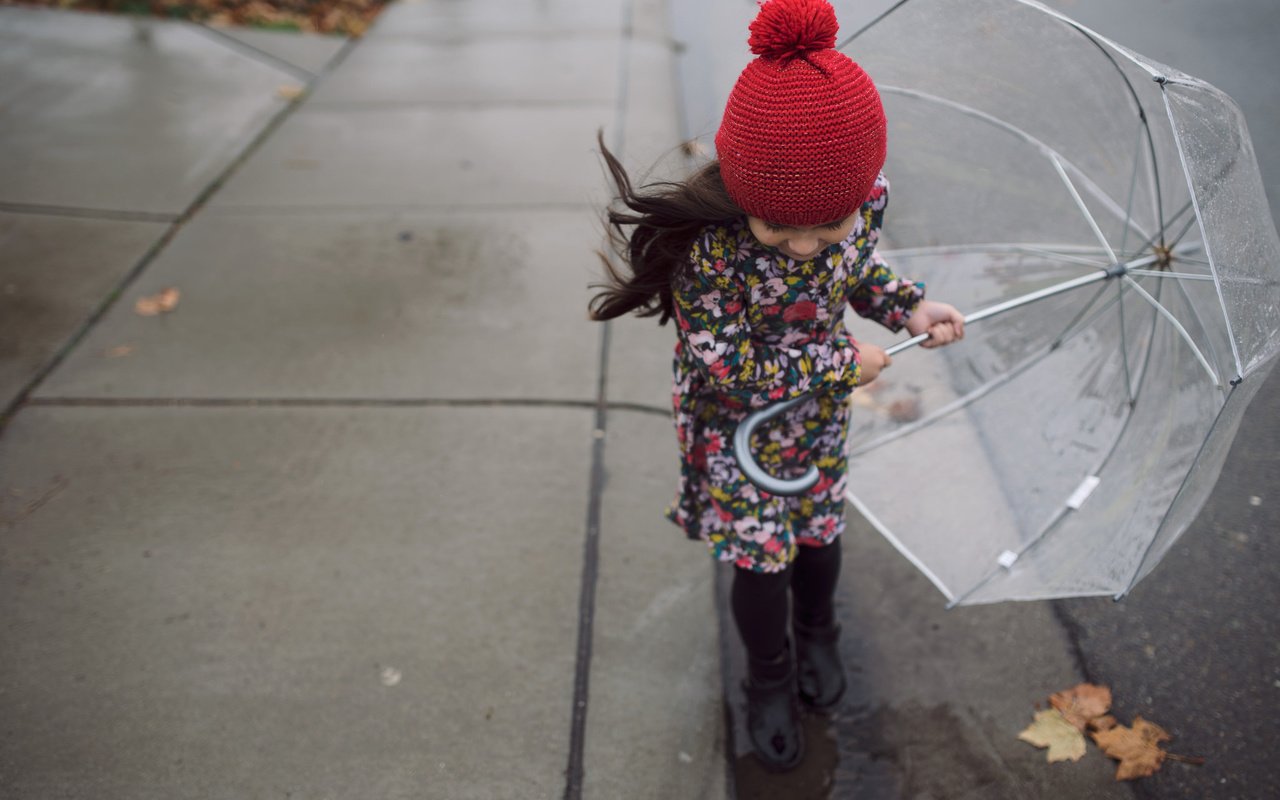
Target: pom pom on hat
[(803, 135), (787, 28)]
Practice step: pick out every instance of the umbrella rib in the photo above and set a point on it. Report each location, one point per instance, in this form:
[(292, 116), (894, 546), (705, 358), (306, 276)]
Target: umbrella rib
[(1124, 345), (897, 543), (1066, 252), (1045, 150), (1133, 185), (1088, 216), (1058, 516), (1143, 124), (1193, 307), (1182, 487), (1183, 232), (1064, 257), (1204, 236), (1172, 320), (986, 388), (1184, 276), (1164, 228)]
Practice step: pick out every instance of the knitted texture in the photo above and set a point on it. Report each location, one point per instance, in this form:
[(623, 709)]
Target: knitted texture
[(803, 134)]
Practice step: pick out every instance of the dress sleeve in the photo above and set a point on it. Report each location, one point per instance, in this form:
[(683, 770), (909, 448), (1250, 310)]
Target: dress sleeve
[(710, 310), (879, 294)]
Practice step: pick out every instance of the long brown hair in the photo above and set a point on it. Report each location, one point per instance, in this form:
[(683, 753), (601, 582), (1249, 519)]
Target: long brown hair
[(664, 217)]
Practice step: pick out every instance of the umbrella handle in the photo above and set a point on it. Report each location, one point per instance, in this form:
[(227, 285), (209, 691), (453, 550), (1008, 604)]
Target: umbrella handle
[(790, 488), (752, 470)]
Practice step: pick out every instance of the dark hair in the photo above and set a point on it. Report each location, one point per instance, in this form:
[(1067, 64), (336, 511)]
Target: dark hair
[(665, 217)]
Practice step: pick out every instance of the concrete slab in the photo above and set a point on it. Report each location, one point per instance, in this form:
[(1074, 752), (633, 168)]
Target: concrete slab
[(936, 698), (640, 351), (655, 672), (310, 52), (241, 602), (439, 157), (393, 70), (386, 305), (127, 114), (443, 19), (651, 140), (640, 357), (54, 272)]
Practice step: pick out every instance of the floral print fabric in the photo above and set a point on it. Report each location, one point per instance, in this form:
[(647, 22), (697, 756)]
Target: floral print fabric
[(756, 327)]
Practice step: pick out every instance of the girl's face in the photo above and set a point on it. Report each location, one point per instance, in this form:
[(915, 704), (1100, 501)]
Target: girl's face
[(801, 243)]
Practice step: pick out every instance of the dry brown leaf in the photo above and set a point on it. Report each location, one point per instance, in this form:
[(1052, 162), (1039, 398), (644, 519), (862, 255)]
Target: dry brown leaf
[(1104, 723), (290, 91), (1052, 730), (161, 302), (1137, 748), (1082, 703), (118, 351)]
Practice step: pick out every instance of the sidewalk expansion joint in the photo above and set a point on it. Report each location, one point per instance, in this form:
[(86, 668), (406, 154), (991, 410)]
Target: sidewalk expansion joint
[(453, 104), (113, 215), (175, 224), (408, 208), (255, 53), (344, 402), (574, 772)]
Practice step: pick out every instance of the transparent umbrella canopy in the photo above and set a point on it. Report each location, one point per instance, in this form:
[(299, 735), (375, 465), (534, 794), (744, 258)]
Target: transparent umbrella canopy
[(1109, 208)]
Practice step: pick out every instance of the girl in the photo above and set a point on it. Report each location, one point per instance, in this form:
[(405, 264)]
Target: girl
[(755, 256)]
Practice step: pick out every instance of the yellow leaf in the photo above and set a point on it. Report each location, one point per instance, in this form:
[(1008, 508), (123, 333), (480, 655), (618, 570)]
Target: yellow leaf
[(1053, 731)]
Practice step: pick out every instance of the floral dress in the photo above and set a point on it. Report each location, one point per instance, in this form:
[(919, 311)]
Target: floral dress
[(755, 328)]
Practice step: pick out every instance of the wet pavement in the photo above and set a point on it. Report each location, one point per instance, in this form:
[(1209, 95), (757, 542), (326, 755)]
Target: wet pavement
[(319, 531), (376, 512)]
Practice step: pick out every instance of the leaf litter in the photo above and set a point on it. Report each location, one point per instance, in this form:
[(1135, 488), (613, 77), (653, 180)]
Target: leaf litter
[(341, 17), (1083, 708)]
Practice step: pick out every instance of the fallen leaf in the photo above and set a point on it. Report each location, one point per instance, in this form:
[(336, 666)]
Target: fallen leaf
[(1052, 730), (161, 302), (1137, 748), (118, 351), (1082, 703), (1104, 723), (290, 91)]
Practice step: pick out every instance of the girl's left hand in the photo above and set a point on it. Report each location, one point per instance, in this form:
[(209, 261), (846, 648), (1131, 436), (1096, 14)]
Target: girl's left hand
[(941, 321)]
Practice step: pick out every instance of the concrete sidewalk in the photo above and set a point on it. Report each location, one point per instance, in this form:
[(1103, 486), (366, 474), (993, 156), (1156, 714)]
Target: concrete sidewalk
[(375, 512), (320, 531)]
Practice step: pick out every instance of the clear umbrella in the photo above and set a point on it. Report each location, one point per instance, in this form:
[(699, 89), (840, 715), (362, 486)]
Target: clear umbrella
[(1108, 211)]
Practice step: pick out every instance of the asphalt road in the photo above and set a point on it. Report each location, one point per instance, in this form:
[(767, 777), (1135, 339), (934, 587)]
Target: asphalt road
[(1196, 646)]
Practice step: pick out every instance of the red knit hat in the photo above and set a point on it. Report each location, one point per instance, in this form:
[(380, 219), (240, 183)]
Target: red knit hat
[(803, 134)]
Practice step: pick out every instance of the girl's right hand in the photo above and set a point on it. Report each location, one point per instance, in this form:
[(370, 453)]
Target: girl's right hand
[(874, 359)]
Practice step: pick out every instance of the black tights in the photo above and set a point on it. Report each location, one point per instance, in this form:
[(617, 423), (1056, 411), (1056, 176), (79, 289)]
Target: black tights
[(760, 601)]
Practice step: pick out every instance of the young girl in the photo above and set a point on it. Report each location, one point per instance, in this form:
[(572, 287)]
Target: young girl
[(755, 256)]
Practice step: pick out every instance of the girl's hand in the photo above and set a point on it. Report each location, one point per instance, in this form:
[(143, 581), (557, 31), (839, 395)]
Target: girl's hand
[(873, 360), (940, 320)]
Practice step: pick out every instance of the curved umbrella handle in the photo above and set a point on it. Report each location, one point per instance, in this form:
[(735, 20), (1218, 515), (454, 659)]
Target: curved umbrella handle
[(790, 488), (747, 463)]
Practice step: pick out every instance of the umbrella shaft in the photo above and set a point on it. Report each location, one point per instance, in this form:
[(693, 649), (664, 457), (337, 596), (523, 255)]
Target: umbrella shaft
[(1017, 302)]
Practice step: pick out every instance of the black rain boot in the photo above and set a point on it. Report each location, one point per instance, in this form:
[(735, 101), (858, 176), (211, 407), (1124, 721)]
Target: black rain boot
[(820, 672), (773, 717)]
